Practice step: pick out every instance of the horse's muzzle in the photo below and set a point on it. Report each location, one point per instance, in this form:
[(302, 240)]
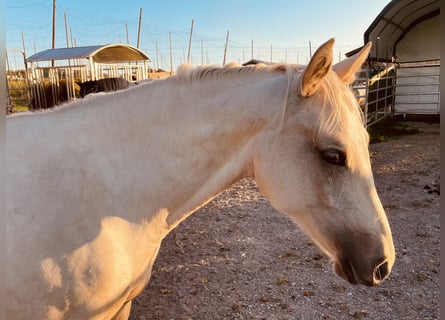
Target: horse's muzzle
[(354, 275)]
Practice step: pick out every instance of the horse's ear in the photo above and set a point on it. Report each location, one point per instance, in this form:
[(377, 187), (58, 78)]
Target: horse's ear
[(347, 68), (317, 69)]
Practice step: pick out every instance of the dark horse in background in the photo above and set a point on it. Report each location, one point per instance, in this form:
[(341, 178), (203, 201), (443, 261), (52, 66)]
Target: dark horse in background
[(47, 95), (102, 85)]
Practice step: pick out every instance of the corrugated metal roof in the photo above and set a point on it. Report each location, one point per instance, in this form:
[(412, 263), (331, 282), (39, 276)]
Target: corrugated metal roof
[(395, 20), (110, 53)]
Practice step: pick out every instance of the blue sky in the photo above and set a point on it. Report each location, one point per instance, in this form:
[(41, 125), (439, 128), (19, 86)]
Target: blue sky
[(279, 29)]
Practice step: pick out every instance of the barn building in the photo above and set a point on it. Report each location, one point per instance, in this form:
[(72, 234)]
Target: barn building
[(405, 59), (56, 82)]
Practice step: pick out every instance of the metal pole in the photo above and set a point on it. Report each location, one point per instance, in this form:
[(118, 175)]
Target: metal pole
[(190, 42), (126, 31), (54, 29), (157, 57), (7, 62), (92, 71), (23, 44), (202, 52), (270, 53), (377, 50), (54, 25), (66, 30), (225, 48), (171, 58), (139, 28), (8, 97), (71, 37)]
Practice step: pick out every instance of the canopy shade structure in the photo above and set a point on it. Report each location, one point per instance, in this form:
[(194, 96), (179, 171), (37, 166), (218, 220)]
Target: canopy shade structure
[(111, 53), (406, 30), (57, 80)]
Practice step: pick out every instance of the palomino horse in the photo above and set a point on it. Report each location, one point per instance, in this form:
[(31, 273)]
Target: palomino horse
[(93, 187)]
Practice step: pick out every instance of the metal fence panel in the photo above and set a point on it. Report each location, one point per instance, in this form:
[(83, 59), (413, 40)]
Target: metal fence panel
[(374, 88), (417, 89)]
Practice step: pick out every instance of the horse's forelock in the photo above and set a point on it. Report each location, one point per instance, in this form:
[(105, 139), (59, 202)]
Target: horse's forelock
[(339, 106)]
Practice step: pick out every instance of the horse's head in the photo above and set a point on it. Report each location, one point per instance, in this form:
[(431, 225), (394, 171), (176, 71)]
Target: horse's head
[(316, 168)]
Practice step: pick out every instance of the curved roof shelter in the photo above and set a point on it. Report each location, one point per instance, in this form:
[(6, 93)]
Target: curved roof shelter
[(102, 61), (407, 30), (111, 53)]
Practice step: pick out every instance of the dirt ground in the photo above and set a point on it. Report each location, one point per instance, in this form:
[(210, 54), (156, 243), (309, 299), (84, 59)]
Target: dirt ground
[(237, 258)]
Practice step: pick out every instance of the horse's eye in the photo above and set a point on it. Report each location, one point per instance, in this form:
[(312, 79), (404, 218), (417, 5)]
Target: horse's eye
[(334, 157)]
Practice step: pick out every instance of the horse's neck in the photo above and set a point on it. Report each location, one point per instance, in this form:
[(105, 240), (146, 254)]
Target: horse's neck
[(198, 141), (163, 147)]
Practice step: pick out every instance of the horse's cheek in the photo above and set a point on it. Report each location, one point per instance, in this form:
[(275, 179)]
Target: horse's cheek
[(286, 182)]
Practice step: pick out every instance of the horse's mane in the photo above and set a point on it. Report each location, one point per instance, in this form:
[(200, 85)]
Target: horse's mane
[(187, 72), (338, 100), (334, 92)]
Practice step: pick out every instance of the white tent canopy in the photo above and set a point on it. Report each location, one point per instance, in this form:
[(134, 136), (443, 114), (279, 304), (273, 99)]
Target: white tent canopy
[(422, 43), (407, 30), (407, 33), (110, 53), (102, 61), (57, 82)]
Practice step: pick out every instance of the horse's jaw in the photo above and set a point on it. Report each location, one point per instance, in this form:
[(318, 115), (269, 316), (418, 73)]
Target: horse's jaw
[(360, 256)]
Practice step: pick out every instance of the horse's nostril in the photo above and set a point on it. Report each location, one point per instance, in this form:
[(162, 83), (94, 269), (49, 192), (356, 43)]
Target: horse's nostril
[(381, 271)]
